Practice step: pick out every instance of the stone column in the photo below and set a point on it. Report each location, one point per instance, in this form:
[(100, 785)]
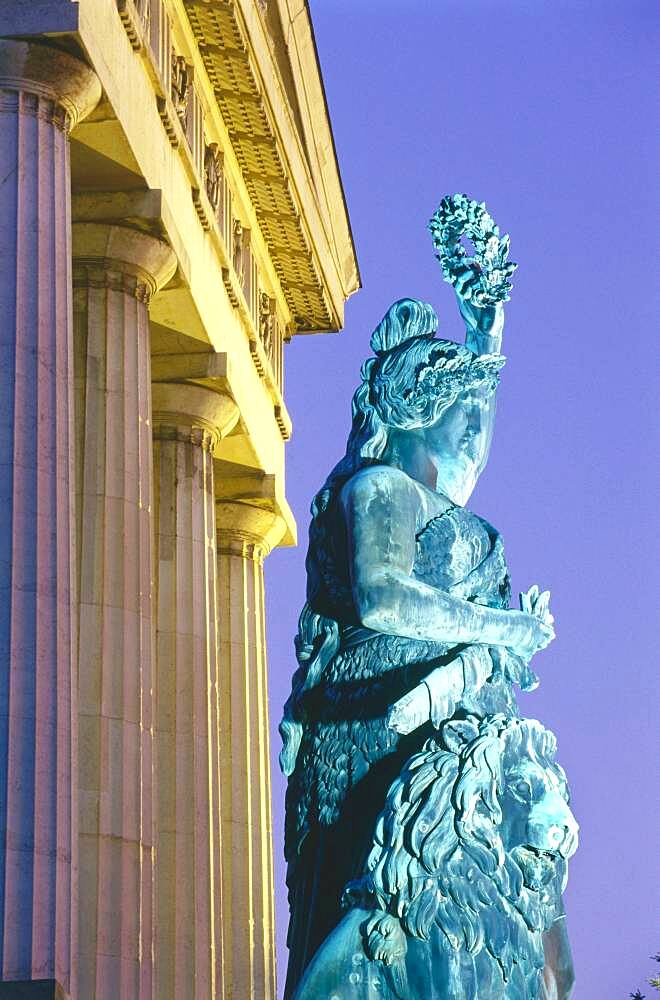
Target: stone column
[(188, 915), (246, 534), (116, 270), (43, 94)]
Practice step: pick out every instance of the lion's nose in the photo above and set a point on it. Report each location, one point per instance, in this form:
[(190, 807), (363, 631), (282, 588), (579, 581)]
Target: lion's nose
[(569, 841), (556, 835), (552, 826)]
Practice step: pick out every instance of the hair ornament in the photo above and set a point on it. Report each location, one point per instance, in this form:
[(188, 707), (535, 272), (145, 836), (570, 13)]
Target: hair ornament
[(449, 373)]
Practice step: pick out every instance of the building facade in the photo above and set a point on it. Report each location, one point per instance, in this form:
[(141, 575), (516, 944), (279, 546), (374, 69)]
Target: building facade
[(171, 215)]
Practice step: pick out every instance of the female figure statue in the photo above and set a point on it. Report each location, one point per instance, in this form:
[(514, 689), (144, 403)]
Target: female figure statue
[(403, 704)]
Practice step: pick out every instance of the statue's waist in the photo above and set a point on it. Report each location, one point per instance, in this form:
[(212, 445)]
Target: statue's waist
[(364, 653), (351, 636)]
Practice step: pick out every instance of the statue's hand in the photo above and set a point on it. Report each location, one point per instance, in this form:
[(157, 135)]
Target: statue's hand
[(487, 320), (537, 603), (529, 634)]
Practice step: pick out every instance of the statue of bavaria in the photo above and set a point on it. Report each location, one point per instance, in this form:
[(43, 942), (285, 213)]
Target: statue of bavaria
[(428, 828)]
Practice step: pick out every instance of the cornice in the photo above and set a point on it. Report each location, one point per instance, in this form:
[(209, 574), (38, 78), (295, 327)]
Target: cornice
[(275, 172), (279, 139)]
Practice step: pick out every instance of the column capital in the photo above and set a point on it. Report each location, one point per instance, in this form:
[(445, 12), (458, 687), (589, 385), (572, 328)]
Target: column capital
[(203, 416), (120, 257), (247, 531), (50, 75)]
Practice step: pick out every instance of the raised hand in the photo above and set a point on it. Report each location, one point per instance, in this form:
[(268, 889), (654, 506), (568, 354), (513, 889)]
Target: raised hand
[(484, 319)]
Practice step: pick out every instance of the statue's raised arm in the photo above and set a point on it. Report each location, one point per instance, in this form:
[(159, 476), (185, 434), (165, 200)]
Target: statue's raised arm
[(420, 807), (481, 278)]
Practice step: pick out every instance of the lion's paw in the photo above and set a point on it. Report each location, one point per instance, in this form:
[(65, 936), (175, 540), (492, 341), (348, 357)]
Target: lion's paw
[(385, 938)]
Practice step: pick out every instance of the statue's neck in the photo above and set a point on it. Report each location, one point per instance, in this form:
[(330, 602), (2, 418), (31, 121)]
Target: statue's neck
[(405, 450)]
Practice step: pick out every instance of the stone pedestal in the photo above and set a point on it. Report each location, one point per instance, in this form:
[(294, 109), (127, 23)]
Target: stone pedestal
[(116, 270), (188, 899), (43, 93), (245, 535)]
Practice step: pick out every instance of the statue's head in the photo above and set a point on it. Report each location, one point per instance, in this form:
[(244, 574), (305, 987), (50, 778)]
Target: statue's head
[(424, 396)]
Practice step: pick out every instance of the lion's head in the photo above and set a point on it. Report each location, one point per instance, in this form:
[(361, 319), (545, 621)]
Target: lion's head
[(474, 839)]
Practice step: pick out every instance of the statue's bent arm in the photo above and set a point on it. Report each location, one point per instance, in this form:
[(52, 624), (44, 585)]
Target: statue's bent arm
[(380, 506), (483, 335)]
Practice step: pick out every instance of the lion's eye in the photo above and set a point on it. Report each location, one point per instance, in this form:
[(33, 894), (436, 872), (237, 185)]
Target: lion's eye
[(522, 788)]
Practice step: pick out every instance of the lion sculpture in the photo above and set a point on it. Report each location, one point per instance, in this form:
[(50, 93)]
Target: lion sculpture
[(470, 857)]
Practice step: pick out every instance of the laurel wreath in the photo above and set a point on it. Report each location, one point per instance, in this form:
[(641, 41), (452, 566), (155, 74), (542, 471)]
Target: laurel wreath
[(458, 216), (455, 376)]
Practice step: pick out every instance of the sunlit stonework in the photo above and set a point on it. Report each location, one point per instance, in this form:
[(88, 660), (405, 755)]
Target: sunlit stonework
[(162, 239)]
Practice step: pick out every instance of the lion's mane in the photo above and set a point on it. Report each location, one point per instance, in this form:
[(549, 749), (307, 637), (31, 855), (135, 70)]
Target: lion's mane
[(438, 855)]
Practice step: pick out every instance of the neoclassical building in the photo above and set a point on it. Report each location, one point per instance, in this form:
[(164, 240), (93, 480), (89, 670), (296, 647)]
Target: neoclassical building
[(171, 214)]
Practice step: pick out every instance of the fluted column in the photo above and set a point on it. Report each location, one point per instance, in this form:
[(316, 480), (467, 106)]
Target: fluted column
[(116, 270), (245, 535), (188, 915), (43, 93)]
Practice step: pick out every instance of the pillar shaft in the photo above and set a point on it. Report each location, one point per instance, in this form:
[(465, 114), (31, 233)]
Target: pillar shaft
[(188, 914), (115, 272), (245, 535), (42, 94)]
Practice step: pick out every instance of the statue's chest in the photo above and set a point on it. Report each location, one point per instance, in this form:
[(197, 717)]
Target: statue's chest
[(450, 547)]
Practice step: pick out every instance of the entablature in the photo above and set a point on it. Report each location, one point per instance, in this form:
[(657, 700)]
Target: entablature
[(213, 134), (216, 67)]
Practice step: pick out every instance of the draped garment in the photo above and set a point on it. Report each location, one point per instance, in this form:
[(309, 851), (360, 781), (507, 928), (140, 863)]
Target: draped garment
[(348, 757)]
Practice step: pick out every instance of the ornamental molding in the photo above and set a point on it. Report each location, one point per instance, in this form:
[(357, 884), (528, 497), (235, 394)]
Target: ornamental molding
[(182, 100), (135, 16), (180, 85), (213, 175), (225, 47), (314, 296)]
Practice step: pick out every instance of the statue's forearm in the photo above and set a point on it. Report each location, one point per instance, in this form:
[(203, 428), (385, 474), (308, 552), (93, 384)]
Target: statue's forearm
[(438, 694), (483, 335), (400, 605), (485, 343)]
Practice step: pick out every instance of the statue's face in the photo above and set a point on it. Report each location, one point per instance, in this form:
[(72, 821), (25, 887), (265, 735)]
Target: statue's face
[(458, 443)]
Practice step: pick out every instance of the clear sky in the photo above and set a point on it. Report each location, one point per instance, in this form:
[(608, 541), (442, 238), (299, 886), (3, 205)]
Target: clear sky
[(546, 110)]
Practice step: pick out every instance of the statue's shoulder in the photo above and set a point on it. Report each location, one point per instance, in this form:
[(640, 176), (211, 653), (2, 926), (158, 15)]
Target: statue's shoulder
[(382, 482)]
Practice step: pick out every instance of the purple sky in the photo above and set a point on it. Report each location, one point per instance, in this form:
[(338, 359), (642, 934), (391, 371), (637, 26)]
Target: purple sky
[(543, 110)]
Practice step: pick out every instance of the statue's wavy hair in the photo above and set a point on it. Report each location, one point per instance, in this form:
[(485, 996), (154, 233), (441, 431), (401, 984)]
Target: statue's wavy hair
[(402, 343)]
